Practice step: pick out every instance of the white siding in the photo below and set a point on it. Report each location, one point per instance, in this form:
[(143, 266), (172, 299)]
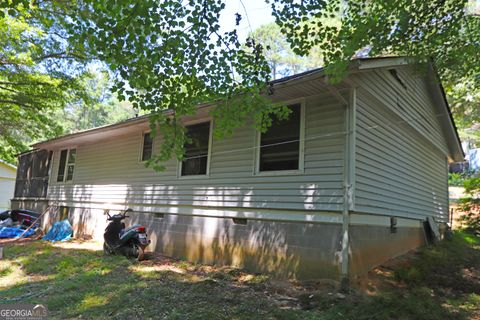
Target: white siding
[(7, 185), (7, 172), (411, 103), (109, 172), (6, 192), (401, 165)]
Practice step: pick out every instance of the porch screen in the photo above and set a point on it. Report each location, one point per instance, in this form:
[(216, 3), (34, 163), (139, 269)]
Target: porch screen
[(196, 150), (33, 174), (280, 145)]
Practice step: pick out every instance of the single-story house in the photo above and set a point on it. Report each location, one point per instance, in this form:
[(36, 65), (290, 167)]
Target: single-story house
[(8, 172), (341, 186)]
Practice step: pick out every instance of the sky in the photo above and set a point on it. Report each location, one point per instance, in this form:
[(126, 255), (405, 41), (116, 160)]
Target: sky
[(257, 13)]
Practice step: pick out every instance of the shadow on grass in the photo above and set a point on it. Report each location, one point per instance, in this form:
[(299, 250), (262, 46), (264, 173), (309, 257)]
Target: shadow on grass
[(83, 282), (438, 283)]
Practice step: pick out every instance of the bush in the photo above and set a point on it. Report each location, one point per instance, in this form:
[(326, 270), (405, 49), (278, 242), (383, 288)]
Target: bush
[(455, 179), (471, 204), (458, 179)]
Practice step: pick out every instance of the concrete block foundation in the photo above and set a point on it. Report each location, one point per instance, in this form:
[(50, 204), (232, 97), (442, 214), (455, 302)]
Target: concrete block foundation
[(283, 249)]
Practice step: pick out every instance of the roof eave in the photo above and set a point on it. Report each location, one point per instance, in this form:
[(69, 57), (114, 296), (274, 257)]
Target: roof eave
[(457, 154)]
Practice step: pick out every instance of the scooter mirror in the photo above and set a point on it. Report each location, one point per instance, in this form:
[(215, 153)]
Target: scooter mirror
[(127, 211)]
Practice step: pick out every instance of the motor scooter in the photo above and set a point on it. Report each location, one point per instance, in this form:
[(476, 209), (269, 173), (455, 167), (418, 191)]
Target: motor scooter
[(131, 241)]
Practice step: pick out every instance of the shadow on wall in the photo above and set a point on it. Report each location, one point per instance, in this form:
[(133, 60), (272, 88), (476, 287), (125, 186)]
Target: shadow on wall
[(293, 250), (286, 249)]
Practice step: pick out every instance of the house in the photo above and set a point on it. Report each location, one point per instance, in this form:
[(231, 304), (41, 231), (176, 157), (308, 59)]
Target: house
[(7, 183), (342, 185)]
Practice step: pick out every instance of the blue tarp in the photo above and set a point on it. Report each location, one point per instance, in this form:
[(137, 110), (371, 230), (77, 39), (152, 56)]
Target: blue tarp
[(60, 231), (9, 232)]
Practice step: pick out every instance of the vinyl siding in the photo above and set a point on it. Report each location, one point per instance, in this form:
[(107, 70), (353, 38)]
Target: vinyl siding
[(400, 149), (411, 103), (109, 172), (6, 192), (6, 172), (7, 185)]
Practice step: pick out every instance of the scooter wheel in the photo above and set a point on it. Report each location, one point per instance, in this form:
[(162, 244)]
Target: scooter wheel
[(136, 252), (141, 254), (106, 250)]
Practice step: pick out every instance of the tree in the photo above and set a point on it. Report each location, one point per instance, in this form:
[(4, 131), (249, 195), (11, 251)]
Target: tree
[(46, 88), (464, 99), (280, 57), (447, 32), (470, 205), (37, 77), (173, 56), (96, 106)]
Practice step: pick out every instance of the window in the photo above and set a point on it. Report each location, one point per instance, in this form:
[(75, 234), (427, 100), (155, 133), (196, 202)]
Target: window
[(72, 155), (147, 147), (280, 145), (66, 167), (196, 150), (61, 166)]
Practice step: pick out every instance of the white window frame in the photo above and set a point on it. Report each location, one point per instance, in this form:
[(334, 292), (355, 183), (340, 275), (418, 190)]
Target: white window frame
[(301, 155), (140, 150), (65, 170), (209, 153)]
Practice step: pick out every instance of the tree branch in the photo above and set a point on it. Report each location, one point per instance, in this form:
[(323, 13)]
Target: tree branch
[(18, 103), (33, 83), (59, 55)]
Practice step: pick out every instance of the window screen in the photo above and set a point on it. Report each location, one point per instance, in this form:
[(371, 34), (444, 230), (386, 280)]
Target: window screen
[(196, 150), (147, 147), (61, 165), (280, 145)]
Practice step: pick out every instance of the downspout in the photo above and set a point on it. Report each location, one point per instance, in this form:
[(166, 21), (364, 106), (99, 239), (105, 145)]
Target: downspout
[(348, 186)]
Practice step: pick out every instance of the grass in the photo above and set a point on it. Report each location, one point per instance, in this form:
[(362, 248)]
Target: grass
[(438, 282)]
